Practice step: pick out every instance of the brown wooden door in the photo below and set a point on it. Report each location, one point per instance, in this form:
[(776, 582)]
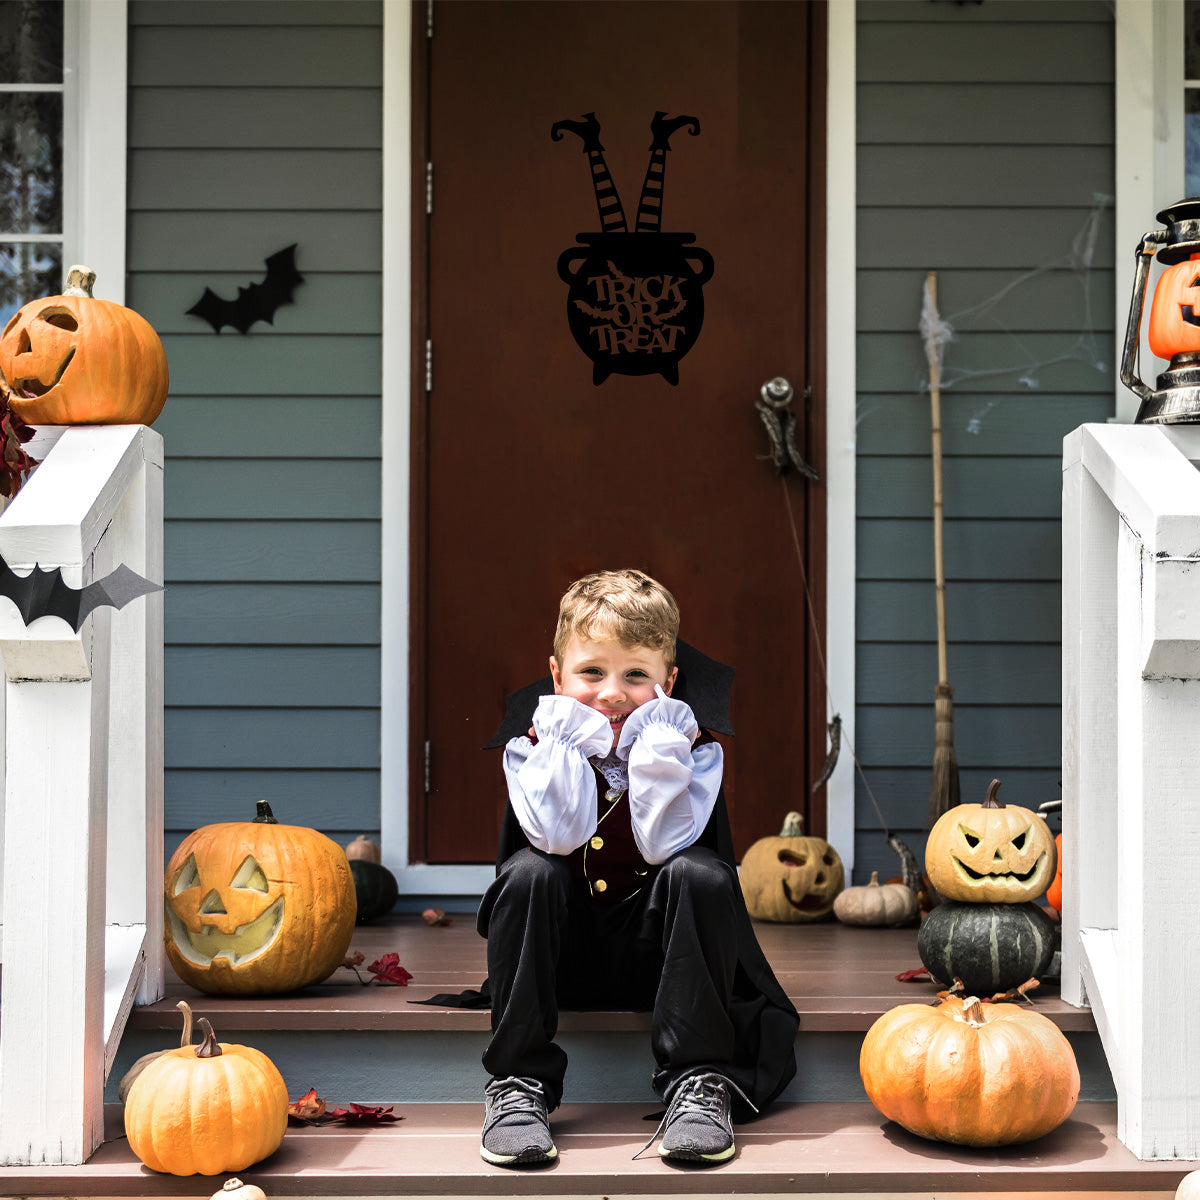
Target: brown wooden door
[(528, 473)]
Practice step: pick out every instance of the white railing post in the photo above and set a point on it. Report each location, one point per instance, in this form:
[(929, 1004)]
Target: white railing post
[(83, 716), (1131, 767)]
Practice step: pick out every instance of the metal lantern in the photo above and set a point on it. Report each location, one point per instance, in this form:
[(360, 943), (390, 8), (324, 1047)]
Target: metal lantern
[(1174, 332)]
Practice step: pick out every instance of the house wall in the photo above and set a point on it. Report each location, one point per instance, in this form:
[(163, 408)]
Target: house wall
[(254, 125), (985, 152)]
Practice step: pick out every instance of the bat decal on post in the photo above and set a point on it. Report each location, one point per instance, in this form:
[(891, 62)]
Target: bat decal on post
[(47, 594), (257, 302)]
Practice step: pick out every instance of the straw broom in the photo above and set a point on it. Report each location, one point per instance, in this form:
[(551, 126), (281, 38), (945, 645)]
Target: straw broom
[(943, 787)]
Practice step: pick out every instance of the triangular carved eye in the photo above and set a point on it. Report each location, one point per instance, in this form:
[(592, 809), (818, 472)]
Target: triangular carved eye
[(250, 875), (188, 876), (1019, 840), (968, 837)]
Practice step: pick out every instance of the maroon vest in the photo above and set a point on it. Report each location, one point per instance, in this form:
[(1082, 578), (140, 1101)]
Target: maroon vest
[(609, 863)]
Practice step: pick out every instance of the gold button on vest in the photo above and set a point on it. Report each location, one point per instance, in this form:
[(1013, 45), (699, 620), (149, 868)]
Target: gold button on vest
[(597, 843), (600, 885)]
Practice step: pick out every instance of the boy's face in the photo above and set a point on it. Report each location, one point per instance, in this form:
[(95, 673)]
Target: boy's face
[(611, 678)]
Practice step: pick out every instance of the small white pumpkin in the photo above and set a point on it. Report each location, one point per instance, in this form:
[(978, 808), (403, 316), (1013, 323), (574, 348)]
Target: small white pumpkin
[(1189, 1187), (876, 904), (235, 1189)]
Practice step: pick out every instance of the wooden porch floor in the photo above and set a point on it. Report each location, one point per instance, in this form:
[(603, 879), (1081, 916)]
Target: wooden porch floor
[(840, 979)]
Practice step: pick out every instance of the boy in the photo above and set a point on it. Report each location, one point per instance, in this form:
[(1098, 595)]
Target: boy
[(624, 893)]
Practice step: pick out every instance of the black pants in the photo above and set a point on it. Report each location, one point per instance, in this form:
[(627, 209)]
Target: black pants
[(671, 949)]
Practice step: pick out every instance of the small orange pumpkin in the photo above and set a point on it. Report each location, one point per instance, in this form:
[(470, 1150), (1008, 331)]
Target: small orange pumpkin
[(1054, 891), (990, 853), (207, 1109), (791, 878), (257, 907), (76, 360), (1175, 311), (970, 1073)]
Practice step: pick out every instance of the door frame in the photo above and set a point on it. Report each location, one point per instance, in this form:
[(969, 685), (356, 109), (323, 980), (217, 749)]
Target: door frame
[(402, 451)]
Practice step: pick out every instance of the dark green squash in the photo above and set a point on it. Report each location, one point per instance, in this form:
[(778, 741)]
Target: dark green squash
[(376, 889), (990, 947)]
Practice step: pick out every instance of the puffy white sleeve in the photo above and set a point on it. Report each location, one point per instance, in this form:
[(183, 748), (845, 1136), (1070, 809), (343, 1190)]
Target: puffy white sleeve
[(672, 786), (551, 785)]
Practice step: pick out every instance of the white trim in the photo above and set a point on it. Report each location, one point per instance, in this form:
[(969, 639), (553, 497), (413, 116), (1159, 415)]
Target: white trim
[(1148, 73), (395, 634), (841, 407), (95, 142)]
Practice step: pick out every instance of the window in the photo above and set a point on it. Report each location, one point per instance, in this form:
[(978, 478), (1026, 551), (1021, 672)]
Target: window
[(1191, 97), (32, 109)]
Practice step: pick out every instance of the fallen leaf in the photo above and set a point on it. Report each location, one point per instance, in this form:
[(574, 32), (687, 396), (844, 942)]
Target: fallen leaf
[(309, 1109), (916, 975), (388, 970), (437, 916), (365, 1114)]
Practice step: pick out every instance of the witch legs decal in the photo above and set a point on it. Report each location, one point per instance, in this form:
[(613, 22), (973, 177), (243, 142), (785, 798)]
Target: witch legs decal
[(635, 304)]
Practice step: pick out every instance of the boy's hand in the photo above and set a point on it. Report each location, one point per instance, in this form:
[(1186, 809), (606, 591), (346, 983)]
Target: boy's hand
[(674, 713)]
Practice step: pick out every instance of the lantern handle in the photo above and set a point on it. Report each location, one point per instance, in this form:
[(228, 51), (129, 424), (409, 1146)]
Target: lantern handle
[(1142, 256)]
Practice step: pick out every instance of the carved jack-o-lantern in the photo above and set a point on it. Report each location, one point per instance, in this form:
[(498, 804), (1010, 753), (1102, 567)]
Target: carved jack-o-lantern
[(255, 906), (76, 360), (1175, 312), (791, 878), (991, 853)]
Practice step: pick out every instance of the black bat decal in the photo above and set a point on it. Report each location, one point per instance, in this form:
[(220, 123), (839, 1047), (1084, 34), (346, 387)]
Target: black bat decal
[(47, 594), (257, 302)]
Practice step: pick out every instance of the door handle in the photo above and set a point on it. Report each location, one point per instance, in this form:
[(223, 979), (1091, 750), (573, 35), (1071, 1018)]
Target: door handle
[(774, 408)]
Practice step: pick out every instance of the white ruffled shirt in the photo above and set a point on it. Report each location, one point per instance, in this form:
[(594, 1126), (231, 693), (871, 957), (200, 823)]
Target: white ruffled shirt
[(673, 786)]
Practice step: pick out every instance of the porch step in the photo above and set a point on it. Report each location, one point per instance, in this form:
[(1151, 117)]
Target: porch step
[(820, 1150), (375, 1044)]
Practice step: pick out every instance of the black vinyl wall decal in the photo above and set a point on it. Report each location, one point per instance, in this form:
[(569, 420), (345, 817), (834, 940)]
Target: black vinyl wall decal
[(635, 304), (47, 594), (256, 302)]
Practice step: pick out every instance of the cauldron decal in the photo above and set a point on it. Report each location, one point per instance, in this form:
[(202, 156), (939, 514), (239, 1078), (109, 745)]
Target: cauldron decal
[(635, 304)]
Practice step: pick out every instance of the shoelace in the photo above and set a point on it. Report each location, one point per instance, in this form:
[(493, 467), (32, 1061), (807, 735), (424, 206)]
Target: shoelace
[(516, 1094), (700, 1093)]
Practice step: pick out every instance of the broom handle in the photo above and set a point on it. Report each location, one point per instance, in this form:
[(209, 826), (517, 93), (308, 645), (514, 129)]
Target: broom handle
[(939, 555)]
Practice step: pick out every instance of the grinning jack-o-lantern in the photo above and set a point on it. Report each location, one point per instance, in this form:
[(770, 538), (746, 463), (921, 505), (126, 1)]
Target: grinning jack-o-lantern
[(76, 360), (990, 853), (256, 906), (791, 878), (1175, 312)]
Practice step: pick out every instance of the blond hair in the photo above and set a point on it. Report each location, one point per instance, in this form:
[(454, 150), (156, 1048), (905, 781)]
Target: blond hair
[(624, 606)]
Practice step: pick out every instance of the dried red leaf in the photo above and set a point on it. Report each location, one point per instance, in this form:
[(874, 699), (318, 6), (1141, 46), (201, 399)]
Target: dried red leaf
[(437, 916), (15, 464), (365, 1114), (388, 970), (916, 975), (1015, 995)]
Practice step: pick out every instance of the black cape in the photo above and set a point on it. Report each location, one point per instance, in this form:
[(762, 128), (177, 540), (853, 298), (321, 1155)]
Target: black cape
[(764, 1019)]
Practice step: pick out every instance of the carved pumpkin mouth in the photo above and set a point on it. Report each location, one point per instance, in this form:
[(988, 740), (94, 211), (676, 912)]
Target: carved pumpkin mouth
[(807, 902), (31, 388), (1019, 876), (203, 946)]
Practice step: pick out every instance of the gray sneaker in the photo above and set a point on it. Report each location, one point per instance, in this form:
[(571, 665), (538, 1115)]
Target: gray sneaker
[(516, 1128), (697, 1127)]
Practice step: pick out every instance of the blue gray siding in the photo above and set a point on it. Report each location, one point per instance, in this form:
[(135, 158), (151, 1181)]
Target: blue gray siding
[(984, 153), (255, 124)]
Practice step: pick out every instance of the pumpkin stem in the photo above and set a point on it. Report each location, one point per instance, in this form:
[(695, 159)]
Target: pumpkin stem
[(80, 281), (992, 799), (265, 815), (874, 879), (232, 1185), (972, 1011), (185, 1008), (793, 825), (209, 1047)]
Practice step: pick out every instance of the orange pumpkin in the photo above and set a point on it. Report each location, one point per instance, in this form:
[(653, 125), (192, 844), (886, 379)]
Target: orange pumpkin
[(206, 1109), (257, 907), (1175, 310), (76, 360), (965, 1072), (1054, 891), (990, 853)]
